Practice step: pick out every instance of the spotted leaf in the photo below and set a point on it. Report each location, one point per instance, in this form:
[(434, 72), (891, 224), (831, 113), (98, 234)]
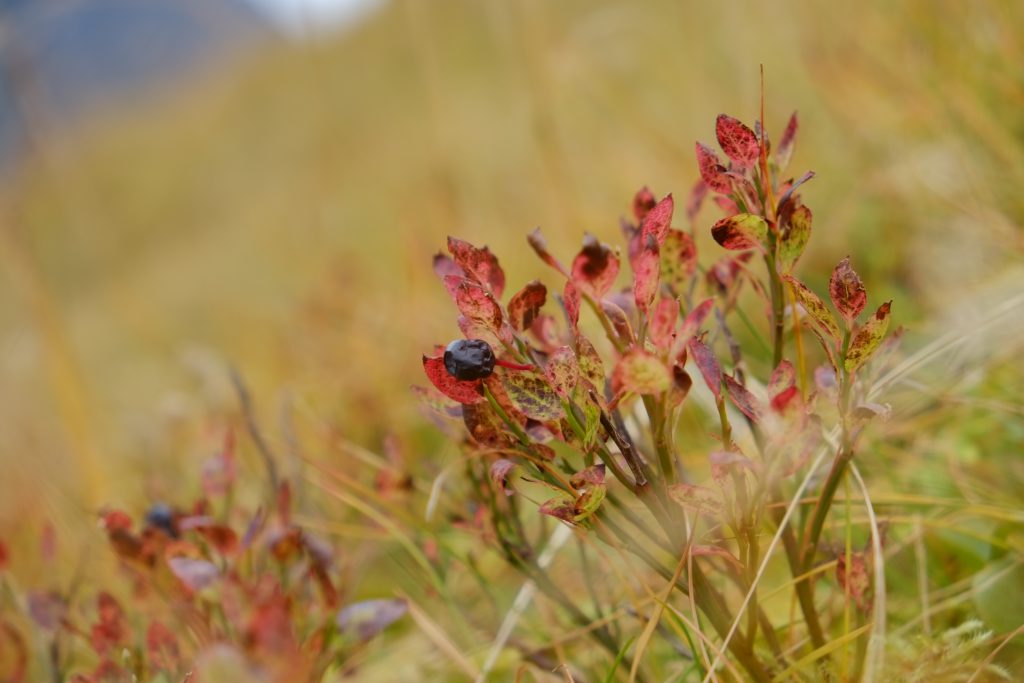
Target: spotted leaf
[(532, 395), (712, 172), (815, 308), (479, 265), (595, 268), (678, 261), (868, 338), (562, 371), (741, 232), (847, 291), (737, 141), (658, 221), (525, 305), (794, 238)]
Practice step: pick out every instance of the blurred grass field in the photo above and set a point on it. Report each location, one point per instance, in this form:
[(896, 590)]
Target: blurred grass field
[(282, 220)]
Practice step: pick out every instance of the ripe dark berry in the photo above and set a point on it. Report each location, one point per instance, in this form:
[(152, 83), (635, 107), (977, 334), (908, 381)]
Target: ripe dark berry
[(469, 359), (161, 516)]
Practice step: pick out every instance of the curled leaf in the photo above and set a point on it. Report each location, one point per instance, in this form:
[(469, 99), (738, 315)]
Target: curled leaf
[(712, 172), (595, 268), (737, 141), (500, 471), (479, 265), (847, 291), (868, 338), (540, 247), (741, 232), (525, 305), (640, 372), (457, 390), (562, 508)]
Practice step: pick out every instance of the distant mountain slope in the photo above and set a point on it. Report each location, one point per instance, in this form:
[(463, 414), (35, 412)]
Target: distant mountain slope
[(78, 55)]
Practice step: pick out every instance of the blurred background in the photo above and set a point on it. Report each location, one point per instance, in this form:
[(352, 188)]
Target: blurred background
[(194, 185)]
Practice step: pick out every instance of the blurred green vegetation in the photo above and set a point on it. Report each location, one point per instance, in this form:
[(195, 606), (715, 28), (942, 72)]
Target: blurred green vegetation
[(282, 220)]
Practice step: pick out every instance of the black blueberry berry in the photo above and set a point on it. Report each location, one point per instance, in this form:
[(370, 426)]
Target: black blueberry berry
[(161, 516), (469, 359)]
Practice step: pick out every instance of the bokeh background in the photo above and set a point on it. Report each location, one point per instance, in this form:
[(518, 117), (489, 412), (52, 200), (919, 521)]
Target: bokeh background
[(193, 186)]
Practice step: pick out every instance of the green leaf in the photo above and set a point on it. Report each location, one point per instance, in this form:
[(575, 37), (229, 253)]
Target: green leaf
[(533, 396), (815, 308), (642, 373), (741, 232), (868, 338), (591, 367), (678, 261), (794, 238)]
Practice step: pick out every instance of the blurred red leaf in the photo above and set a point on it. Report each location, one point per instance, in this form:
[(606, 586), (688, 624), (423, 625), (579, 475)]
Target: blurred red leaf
[(485, 426), (868, 338), (712, 172), (643, 201), (742, 398), (590, 476), (595, 268), (500, 470), (562, 508), (571, 299), (640, 372), (847, 291), (5, 557), (691, 325), (646, 276), (525, 305), (815, 308), (48, 543), (678, 261), (737, 141), (658, 220), (663, 322), (795, 233), (708, 365), (445, 266), (478, 264), (562, 371), (457, 390), (162, 649), (110, 630), (741, 232), (853, 577), (540, 247), (696, 199), (784, 152)]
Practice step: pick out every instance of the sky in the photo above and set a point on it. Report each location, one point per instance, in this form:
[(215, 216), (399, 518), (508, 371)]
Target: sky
[(305, 17)]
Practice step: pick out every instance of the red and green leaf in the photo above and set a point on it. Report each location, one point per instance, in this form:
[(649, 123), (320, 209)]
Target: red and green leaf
[(500, 471), (477, 304), (692, 324), (640, 372), (457, 390), (741, 232), (794, 238), (595, 268), (532, 395), (868, 338), (591, 366), (485, 426), (738, 142), (525, 305), (590, 476), (712, 172), (678, 260), (562, 371), (478, 264), (847, 291), (815, 308)]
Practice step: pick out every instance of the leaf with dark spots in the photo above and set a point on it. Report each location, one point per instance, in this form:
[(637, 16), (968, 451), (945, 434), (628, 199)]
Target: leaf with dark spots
[(658, 221), (847, 291), (194, 574), (590, 476), (742, 398), (562, 508), (640, 372), (457, 390), (663, 322), (500, 471), (478, 264), (479, 305), (712, 172), (697, 194), (540, 247), (868, 338), (485, 426), (643, 201), (737, 141), (678, 261), (496, 385), (646, 276), (368, 618), (591, 366), (795, 234), (525, 305), (445, 266), (595, 268), (741, 232), (589, 501), (562, 371), (532, 395), (571, 301), (784, 152), (815, 308), (708, 365)]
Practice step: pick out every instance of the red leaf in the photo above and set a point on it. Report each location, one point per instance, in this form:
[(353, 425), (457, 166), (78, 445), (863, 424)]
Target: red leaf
[(782, 378), (562, 371), (643, 201), (445, 266), (742, 398), (5, 557), (560, 508), (693, 204), (868, 338), (640, 372), (479, 265), (162, 647), (692, 324), (737, 141), (658, 221), (647, 267), (477, 304), (711, 170), (457, 390), (499, 475), (485, 426), (854, 578), (815, 308), (678, 261), (540, 247), (663, 322), (708, 365), (110, 630), (784, 151), (591, 476), (847, 291), (525, 305), (741, 232), (571, 299), (595, 268)]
